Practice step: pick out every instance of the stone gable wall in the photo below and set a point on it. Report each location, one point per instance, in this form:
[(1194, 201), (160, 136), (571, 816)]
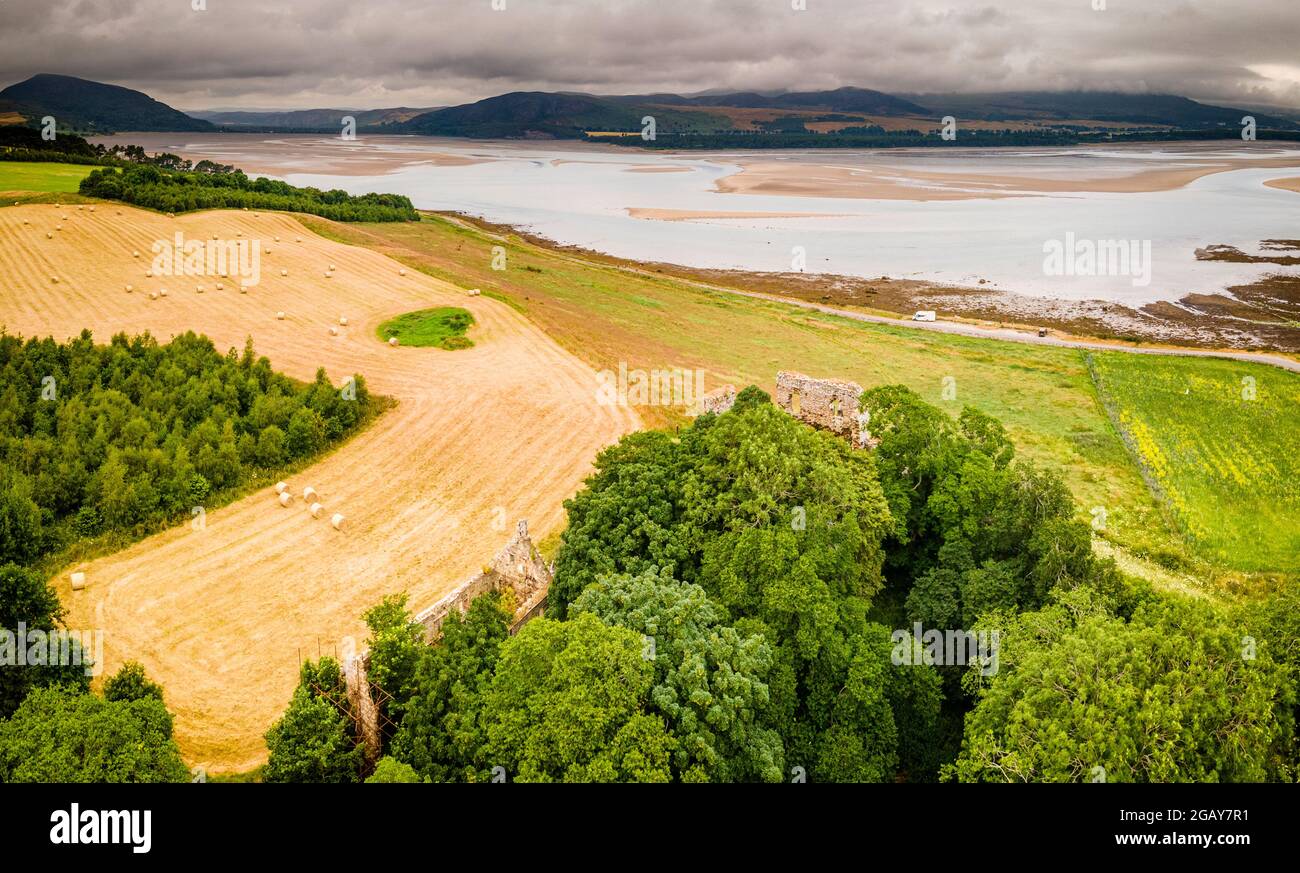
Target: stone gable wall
[(829, 404)]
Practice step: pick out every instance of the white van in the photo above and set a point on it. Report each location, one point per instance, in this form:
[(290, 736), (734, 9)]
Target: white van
[(924, 315)]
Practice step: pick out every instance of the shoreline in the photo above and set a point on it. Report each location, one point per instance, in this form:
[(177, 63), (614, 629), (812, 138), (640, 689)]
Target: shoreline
[(1199, 325)]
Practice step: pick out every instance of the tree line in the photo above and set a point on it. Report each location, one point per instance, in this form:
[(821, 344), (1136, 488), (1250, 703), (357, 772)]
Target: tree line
[(115, 441), (179, 190)]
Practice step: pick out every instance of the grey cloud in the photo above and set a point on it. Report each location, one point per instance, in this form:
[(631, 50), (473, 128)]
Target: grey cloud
[(367, 53)]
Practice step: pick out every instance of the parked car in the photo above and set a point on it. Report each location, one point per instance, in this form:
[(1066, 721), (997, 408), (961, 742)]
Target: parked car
[(924, 315)]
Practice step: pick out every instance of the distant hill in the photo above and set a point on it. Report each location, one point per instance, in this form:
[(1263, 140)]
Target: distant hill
[(536, 113), (1109, 106), (861, 100), (93, 107), (313, 119), (539, 113), (724, 118), (544, 114)]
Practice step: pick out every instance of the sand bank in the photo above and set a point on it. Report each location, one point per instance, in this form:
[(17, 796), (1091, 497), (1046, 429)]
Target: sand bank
[(805, 179)]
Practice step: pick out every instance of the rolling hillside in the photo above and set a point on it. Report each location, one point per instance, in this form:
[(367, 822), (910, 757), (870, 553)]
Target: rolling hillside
[(312, 119), (1111, 106), (566, 116), (93, 107)]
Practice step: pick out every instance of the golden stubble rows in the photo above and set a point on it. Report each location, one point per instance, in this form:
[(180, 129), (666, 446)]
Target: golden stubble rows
[(221, 616)]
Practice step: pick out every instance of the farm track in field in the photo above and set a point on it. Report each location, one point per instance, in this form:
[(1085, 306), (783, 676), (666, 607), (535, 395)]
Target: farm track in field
[(221, 616)]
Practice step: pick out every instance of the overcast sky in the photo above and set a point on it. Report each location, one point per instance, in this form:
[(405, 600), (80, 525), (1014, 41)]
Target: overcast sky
[(374, 53)]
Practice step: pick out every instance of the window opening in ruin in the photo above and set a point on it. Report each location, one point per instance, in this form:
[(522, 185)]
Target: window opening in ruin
[(794, 401)]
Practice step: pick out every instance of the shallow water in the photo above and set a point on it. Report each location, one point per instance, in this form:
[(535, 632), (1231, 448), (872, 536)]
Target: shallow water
[(579, 195)]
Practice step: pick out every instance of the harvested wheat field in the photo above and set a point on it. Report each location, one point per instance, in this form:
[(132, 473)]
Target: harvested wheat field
[(480, 437)]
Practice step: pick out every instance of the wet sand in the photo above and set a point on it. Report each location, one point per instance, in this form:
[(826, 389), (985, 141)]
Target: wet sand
[(654, 214), (836, 180), (1285, 184)]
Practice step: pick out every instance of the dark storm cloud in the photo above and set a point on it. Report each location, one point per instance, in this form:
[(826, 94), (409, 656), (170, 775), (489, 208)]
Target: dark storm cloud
[(368, 53)]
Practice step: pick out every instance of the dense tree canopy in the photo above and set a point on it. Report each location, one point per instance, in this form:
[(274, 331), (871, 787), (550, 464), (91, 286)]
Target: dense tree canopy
[(738, 602), (119, 439), (63, 734), (27, 601), (568, 703), (974, 529), (709, 678), (441, 735), (1165, 696), (315, 740), (781, 528), (167, 190)]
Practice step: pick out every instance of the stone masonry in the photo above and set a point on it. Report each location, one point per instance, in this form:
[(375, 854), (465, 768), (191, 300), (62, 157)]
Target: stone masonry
[(517, 571), (829, 404)]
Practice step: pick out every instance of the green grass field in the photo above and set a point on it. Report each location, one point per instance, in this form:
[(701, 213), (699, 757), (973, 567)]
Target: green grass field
[(1218, 440), (443, 328), (42, 177), (605, 314)]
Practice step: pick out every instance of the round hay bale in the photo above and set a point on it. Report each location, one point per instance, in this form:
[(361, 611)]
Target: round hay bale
[(243, 289), (285, 498), (60, 227), (78, 208), (277, 239), (331, 268), (392, 341), (334, 331), (92, 209), (239, 233), (329, 275), (220, 286), (162, 292), (148, 274), (135, 254), (214, 236), (49, 235), (309, 494), (401, 272), (284, 272), (281, 487), (316, 510), (78, 581), (153, 295), (337, 520), (279, 316), (343, 320), (266, 251), (54, 279), (129, 289), (297, 239), (198, 288)]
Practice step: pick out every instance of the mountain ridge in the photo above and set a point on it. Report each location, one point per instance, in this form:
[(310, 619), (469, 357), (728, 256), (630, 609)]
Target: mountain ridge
[(84, 105)]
